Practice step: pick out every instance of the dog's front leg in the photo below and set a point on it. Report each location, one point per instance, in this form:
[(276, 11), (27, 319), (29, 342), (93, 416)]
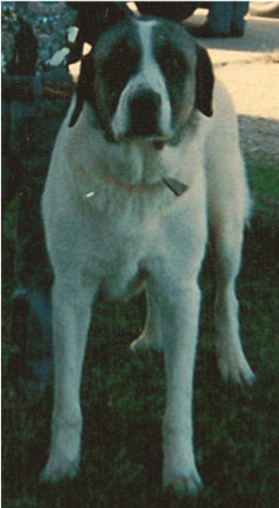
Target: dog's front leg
[(71, 318), (179, 323)]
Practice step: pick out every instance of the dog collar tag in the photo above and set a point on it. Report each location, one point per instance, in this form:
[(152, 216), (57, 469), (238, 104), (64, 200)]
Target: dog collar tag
[(177, 187)]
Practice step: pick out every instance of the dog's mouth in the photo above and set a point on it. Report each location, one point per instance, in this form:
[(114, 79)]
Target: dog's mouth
[(157, 140)]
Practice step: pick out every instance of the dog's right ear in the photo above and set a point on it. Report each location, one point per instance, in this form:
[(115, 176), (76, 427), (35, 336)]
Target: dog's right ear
[(85, 86), (93, 18)]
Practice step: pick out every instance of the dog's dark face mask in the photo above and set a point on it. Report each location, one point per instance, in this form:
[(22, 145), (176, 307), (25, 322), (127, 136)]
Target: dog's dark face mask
[(144, 89)]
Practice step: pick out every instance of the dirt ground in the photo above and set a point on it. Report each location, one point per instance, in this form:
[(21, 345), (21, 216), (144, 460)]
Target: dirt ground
[(249, 66), (254, 88)]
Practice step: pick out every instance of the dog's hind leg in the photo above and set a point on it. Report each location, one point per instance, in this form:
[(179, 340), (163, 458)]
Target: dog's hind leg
[(227, 240), (71, 319), (151, 337), (228, 206)]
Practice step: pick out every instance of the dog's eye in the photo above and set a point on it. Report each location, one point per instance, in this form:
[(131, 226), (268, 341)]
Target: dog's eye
[(172, 63), (120, 64)]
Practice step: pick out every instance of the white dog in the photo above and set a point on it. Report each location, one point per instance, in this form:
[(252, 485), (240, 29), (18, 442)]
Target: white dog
[(146, 162)]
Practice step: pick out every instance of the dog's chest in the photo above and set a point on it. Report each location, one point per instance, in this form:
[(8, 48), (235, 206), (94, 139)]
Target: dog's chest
[(125, 209), (121, 228)]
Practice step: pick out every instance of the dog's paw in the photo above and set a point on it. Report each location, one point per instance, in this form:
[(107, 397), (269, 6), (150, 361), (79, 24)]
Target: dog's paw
[(236, 369), (183, 485), (145, 343), (59, 470)]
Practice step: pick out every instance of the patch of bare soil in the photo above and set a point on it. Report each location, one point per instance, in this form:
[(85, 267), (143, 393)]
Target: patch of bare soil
[(260, 139), (254, 88)]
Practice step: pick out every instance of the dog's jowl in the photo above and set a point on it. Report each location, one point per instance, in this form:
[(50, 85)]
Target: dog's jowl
[(146, 163)]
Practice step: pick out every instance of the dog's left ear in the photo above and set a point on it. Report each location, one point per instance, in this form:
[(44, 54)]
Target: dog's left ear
[(204, 82)]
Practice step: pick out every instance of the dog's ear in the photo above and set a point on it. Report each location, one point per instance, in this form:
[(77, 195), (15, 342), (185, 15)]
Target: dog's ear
[(85, 85), (93, 18), (204, 82)]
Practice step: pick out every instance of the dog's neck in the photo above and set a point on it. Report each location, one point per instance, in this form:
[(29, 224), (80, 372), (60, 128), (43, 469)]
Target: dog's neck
[(130, 187), (176, 186), (132, 167)]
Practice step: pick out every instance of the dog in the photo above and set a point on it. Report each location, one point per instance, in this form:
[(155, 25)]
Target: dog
[(145, 167)]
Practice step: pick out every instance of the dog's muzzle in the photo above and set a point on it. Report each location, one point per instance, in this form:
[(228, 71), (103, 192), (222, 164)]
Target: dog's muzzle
[(144, 113)]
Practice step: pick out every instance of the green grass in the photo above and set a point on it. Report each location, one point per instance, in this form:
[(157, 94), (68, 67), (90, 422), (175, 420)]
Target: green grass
[(236, 430)]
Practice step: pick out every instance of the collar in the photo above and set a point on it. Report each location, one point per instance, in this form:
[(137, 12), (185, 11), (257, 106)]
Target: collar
[(174, 185)]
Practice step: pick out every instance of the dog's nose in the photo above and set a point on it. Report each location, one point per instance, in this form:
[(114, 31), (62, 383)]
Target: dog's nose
[(144, 109)]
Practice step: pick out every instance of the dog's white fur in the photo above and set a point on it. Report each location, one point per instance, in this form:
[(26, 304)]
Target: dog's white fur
[(108, 217)]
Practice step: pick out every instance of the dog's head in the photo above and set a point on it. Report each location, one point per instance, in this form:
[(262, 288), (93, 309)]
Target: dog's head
[(144, 78)]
